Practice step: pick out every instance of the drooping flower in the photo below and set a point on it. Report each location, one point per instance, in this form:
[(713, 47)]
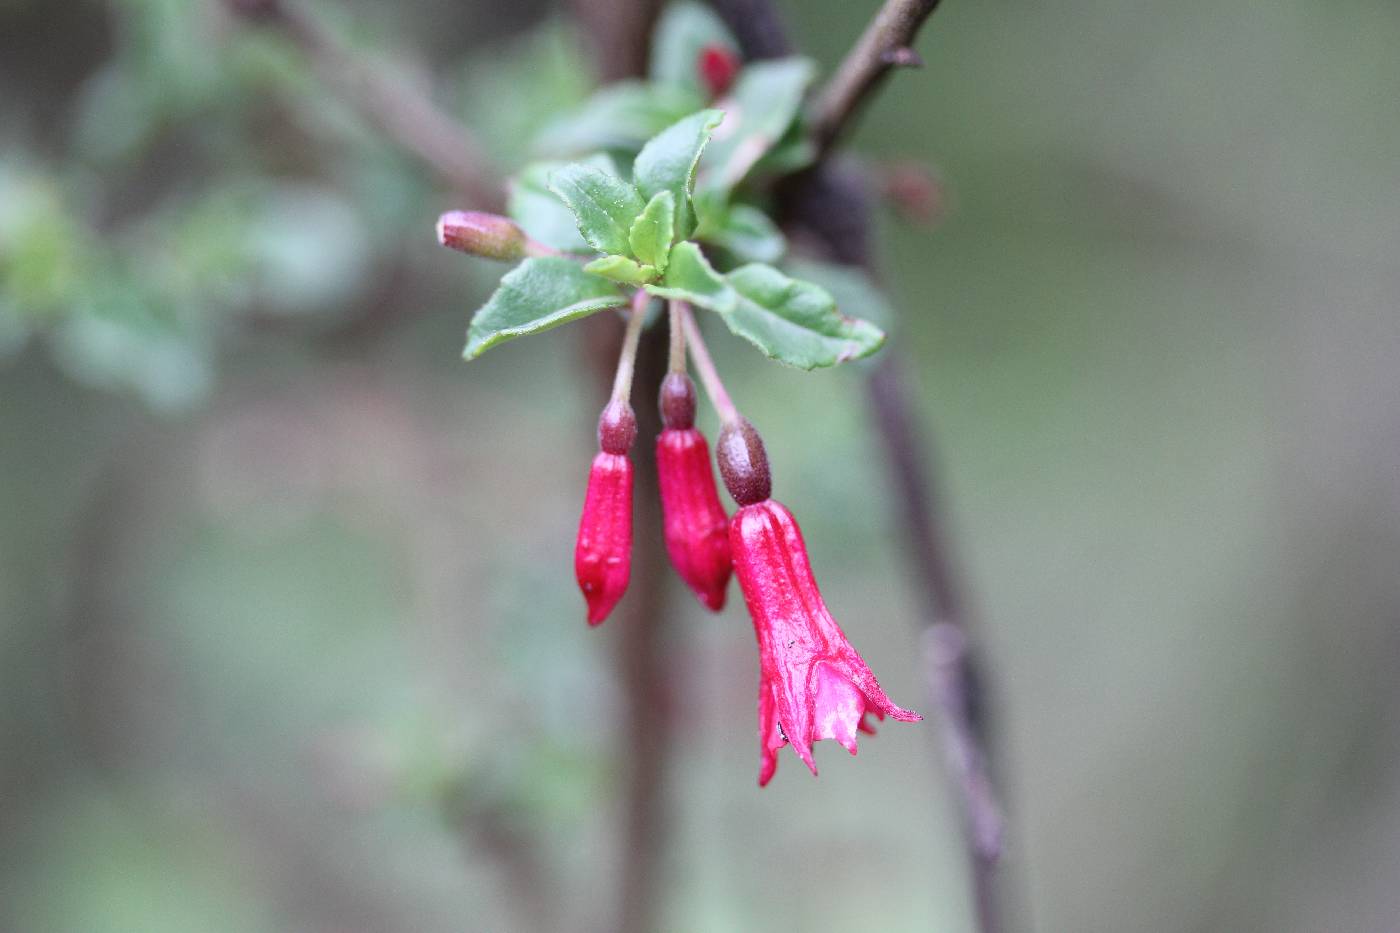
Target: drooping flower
[(696, 527), (813, 684), (603, 554)]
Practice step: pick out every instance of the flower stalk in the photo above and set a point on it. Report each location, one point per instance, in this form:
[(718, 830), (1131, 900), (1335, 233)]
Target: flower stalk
[(705, 365)]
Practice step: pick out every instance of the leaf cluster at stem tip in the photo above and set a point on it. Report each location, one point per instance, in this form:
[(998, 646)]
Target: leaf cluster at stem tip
[(678, 224)]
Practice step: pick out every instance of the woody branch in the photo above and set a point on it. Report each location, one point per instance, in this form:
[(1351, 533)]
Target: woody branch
[(832, 204)]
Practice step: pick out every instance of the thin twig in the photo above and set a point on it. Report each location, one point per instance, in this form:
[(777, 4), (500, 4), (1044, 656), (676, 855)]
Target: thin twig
[(830, 203), (398, 109), (953, 680), (886, 43)]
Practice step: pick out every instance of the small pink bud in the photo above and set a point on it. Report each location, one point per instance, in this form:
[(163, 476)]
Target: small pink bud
[(812, 683), (479, 234), (718, 67)]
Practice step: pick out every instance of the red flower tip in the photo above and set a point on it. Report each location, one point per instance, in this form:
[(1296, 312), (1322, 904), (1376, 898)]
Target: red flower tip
[(697, 536), (812, 684), (718, 67), (603, 555)]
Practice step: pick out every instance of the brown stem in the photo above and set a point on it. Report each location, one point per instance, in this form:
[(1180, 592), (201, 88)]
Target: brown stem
[(830, 204), (953, 681), (885, 44), (403, 114)]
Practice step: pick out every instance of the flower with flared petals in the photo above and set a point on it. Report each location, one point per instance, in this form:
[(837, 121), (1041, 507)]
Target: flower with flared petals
[(813, 685), (697, 530), (603, 554)]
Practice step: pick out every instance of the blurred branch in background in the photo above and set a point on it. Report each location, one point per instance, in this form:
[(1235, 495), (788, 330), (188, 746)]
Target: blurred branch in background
[(832, 202), (886, 43), (406, 116), (620, 32)]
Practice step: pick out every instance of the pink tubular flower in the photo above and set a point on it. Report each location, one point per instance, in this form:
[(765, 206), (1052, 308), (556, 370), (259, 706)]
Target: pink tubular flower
[(813, 685), (697, 530), (603, 554)]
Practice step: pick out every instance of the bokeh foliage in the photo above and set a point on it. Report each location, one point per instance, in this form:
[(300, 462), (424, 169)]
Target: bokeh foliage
[(288, 638)]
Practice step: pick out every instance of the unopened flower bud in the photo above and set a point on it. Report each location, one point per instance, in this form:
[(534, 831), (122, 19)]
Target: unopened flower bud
[(677, 401), (696, 528), (480, 234), (718, 67), (603, 554), (743, 462)]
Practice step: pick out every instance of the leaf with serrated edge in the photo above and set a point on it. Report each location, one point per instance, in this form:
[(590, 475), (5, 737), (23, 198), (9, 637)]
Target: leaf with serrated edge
[(539, 211), (667, 162), (605, 205), (852, 288), (689, 277), (795, 322), (622, 269), (654, 229), (534, 296)]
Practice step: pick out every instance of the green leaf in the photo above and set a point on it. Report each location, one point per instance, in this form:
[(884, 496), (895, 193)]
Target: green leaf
[(685, 29), (654, 229), (689, 277), (621, 116), (667, 162), (850, 286), (766, 100), (534, 296), (540, 213), (793, 152), (795, 322), (605, 205), (743, 230), (622, 269)]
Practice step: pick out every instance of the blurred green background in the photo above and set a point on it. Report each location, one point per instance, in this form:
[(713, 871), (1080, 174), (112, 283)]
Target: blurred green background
[(289, 638)]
